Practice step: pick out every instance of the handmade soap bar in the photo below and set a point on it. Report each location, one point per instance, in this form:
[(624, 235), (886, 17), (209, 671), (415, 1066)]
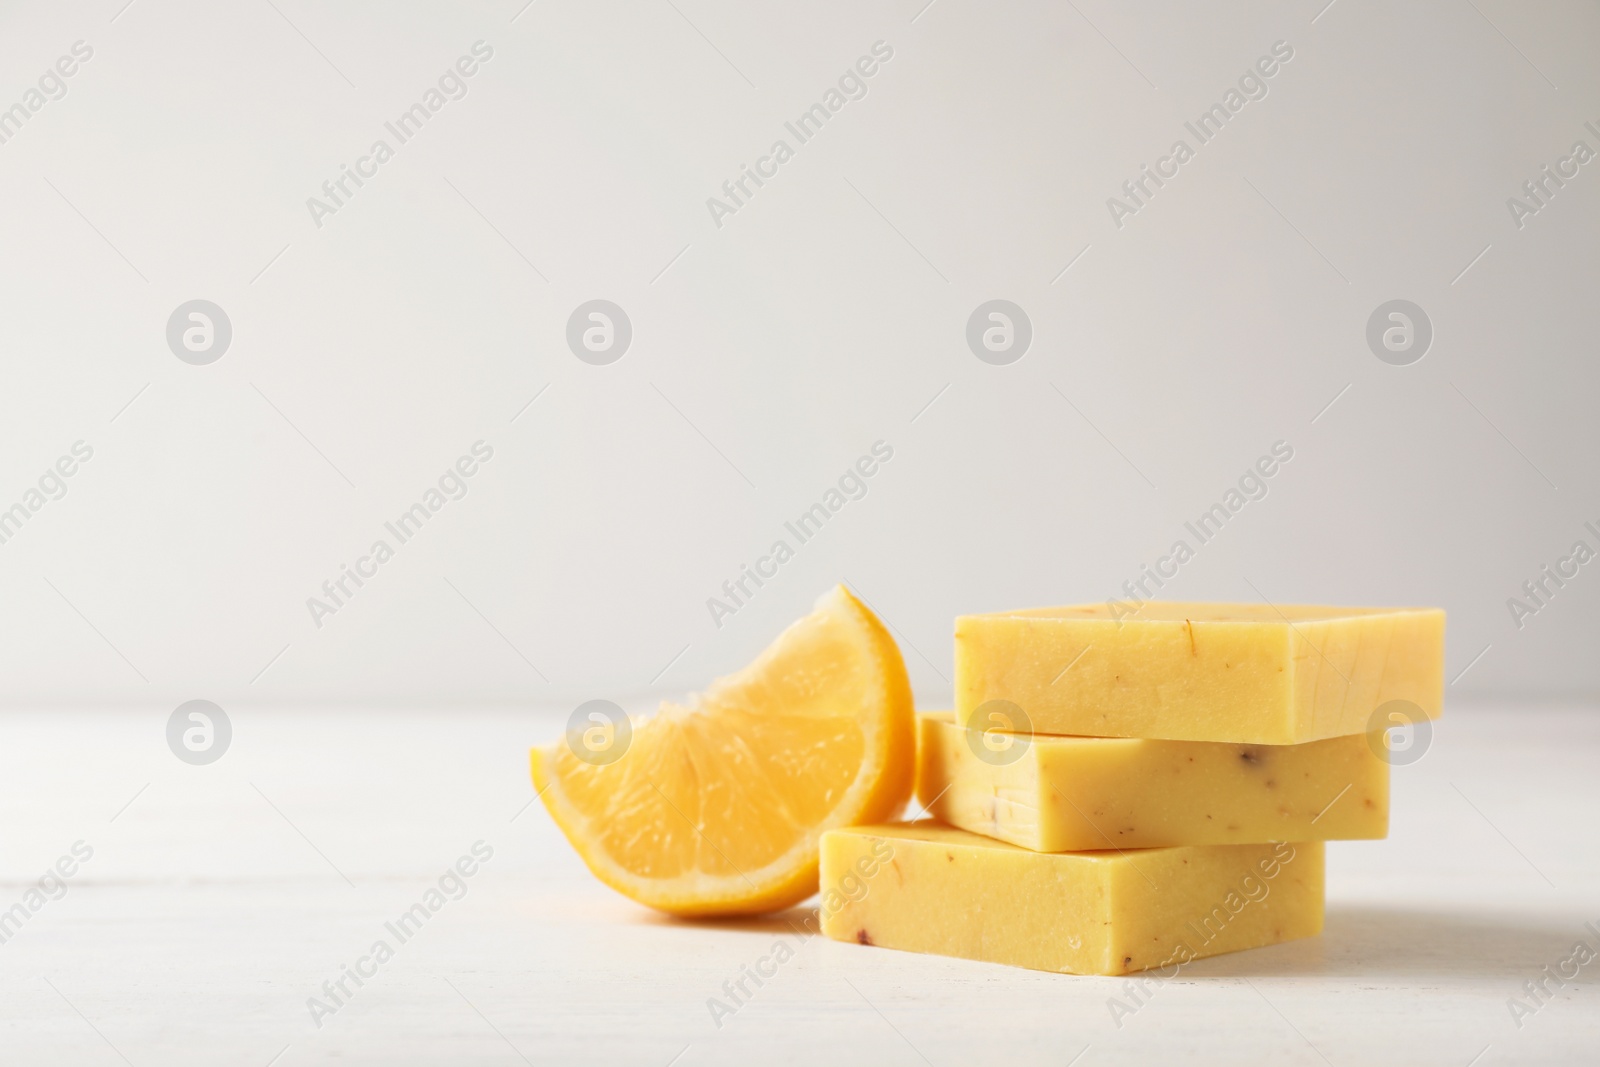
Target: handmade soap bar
[(925, 887), (1058, 794), (1199, 672)]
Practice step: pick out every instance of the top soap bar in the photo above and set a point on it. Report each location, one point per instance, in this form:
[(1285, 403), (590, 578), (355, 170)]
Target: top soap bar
[(1245, 673)]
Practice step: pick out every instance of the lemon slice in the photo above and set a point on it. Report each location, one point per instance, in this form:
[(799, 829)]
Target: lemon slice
[(716, 806)]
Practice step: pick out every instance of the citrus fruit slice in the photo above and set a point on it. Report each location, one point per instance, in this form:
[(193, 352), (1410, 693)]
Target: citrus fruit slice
[(716, 806)]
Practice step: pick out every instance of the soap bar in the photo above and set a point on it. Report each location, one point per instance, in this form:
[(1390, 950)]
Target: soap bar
[(1058, 794), (1200, 672), (925, 887)]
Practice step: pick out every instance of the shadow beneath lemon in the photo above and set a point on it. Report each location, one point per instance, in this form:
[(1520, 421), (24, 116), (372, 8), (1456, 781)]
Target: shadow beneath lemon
[(800, 921)]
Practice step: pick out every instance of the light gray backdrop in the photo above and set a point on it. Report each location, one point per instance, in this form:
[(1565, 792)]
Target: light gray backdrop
[(1175, 340)]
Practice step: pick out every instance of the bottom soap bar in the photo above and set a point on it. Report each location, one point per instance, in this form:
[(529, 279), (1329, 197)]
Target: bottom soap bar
[(926, 887)]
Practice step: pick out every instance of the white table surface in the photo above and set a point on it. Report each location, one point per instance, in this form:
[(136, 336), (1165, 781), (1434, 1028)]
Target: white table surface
[(217, 902)]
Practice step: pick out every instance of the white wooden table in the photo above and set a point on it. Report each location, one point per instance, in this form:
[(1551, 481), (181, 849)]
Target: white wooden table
[(223, 897)]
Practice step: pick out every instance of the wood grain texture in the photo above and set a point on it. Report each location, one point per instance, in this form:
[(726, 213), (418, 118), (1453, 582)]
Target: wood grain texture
[(222, 897)]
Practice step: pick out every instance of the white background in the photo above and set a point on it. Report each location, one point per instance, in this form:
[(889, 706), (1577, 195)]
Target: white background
[(369, 353), (768, 354)]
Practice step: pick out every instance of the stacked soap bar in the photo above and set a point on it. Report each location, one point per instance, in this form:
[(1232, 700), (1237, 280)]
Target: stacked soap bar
[(1062, 794), (1116, 791), (1243, 673), (956, 893)]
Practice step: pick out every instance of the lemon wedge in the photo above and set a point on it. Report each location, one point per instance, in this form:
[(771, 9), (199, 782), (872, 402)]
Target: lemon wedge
[(717, 806)]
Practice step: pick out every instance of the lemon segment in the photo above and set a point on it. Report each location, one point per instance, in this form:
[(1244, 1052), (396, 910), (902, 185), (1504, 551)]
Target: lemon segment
[(717, 806)]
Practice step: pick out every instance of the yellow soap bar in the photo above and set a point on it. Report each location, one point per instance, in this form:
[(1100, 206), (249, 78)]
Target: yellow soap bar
[(1058, 794), (1199, 672), (925, 887)]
